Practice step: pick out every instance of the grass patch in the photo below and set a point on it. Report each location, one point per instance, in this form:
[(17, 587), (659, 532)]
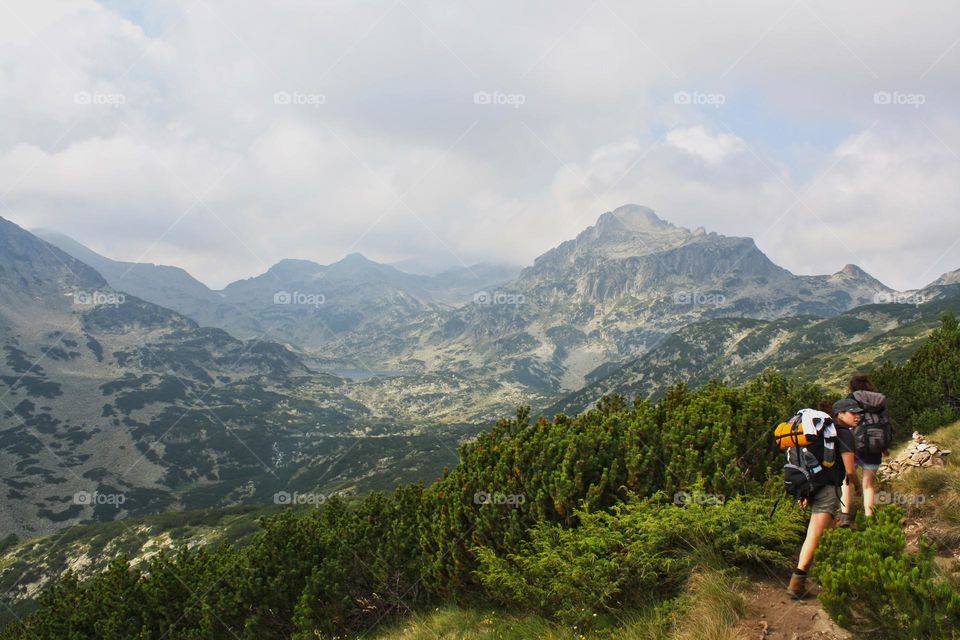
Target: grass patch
[(939, 510), (717, 606), (708, 609)]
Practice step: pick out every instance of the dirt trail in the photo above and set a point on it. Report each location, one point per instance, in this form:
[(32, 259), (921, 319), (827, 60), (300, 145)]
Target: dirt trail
[(773, 615)]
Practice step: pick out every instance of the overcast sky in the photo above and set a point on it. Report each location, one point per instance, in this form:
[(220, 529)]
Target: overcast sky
[(223, 136)]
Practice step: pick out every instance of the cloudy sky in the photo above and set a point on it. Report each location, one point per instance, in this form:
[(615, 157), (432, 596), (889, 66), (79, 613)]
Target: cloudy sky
[(225, 135)]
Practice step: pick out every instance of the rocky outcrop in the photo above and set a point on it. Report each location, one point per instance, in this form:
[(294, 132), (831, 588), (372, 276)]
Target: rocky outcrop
[(919, 453)]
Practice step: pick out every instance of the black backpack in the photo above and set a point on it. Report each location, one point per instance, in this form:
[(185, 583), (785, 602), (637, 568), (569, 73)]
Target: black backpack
[(810, 460), (874, 433)]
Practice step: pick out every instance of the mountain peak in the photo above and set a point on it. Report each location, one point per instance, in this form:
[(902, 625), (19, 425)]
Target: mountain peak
[(356, 258), (289, 264), (853, 271), (630, 230), (853, 275), (630, 218)]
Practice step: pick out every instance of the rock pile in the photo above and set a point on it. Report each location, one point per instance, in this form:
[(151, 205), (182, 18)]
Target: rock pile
[(919, 453)]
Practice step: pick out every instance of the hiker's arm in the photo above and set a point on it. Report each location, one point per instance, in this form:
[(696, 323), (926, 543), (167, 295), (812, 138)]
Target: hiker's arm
[(850, 466)]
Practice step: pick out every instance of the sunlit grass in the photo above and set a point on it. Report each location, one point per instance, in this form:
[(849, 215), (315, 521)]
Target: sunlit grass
[(940, 488), (708, 609)]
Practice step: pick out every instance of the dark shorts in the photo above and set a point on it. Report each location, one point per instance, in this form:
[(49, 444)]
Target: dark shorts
[(869, 461)]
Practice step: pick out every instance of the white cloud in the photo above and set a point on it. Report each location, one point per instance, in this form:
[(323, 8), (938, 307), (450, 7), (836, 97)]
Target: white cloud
[(597, 128), (711, 148)]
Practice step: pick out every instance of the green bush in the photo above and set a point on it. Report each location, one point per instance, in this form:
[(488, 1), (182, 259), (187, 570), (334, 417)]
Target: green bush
[(640, 552), (716, 438), (873, 585)]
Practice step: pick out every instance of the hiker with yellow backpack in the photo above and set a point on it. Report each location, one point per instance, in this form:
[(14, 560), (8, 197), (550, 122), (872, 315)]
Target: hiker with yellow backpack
[(819, 457)]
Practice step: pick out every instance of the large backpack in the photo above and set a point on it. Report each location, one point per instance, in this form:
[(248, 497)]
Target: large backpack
[(810, 458), (874, 433)]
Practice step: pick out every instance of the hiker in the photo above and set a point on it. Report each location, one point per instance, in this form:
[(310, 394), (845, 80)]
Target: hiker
[(870, 451), (824, 496)]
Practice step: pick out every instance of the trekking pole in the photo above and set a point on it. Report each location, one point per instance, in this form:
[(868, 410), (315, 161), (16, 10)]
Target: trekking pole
[(775, 505)]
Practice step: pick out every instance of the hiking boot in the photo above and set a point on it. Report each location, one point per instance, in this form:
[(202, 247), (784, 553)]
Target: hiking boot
[(845, 520), (798, 586)]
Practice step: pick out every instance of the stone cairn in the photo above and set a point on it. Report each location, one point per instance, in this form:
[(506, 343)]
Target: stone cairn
[(919, 453)]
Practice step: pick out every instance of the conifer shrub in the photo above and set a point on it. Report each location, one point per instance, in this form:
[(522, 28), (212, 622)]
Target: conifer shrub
[(639, 552), (924, 392), (873, 585)]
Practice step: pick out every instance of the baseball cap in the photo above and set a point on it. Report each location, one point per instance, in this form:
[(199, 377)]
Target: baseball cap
[(847, 404)]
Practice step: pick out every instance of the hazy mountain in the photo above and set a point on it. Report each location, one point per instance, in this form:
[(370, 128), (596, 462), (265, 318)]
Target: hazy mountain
[(104, 393), (433, 267), (457, 285), (297, 301), (608, 295), (947, 279), (170, 287)]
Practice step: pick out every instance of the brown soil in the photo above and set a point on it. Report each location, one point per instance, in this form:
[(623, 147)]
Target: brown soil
[(774, 615)]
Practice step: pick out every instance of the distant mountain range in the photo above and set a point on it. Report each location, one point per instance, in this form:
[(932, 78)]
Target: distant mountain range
[(297, 301), (473, 342)]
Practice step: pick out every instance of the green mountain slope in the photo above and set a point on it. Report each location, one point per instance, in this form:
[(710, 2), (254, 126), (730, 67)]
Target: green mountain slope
[(822, 350)]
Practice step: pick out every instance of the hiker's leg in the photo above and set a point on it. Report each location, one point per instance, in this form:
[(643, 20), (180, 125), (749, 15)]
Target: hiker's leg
[(819, 522), (869, 490)]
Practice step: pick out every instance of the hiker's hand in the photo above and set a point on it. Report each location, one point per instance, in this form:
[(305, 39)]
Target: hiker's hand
[(804, 503), (855, 481)]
